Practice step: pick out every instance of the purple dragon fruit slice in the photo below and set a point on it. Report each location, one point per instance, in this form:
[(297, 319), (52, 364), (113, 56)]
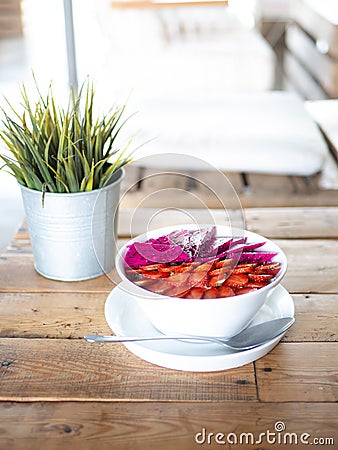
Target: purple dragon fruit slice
[(249, 247), (256, 257), (215, 246), (222, 247), (159, 240), (208, 247), (245, 247), (181, 238), (211, 242), (200, 239), (194, 243), (210, 234), (133, 259), (160, 253), (238, 240)]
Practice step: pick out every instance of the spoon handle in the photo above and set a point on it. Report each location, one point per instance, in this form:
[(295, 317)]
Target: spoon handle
[(96, 338), (248, 338)]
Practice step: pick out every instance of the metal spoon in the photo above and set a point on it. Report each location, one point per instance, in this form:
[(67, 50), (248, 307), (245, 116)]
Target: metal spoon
[(249, 338)]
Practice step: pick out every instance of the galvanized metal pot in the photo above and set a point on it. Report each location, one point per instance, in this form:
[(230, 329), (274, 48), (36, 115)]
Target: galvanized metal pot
[(74, 235)]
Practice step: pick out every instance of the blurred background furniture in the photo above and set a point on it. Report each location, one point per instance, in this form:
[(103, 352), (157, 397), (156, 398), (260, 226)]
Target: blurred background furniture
[(126, 4), (267, 133), (311, 59), (10, 19), (325, 113), (187, 46)]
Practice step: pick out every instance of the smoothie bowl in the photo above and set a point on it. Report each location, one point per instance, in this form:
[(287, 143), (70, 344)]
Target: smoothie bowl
[(200, 280)]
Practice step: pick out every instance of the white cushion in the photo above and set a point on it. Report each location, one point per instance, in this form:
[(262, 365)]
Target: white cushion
[(187, 48), (255, 132)]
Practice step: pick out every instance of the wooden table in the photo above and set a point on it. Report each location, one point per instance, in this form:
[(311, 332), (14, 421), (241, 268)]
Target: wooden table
[(57, 391)]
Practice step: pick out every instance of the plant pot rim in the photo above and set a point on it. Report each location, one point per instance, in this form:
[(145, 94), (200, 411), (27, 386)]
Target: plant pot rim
[(119, 174)]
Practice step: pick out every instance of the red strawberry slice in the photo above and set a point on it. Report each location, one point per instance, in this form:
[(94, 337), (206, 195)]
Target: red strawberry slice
[(210, 293), (256, 284), (177, 269), (224, 263), (225, 291), (259, 277), (264, 268), (198, 279), (145, 282), (245, 290), (195, 292), (219, 272), (244, 268), (178, 279), (168, 268), (203, 267), (272, 272), (132, 271), (237, 280), (160, 287), (155, 274), (217, 281), (178, 293), (151, 267)]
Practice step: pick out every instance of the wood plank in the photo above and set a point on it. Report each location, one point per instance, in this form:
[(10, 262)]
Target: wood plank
[(270, 222), (156, 426), (49, 369), (312, 268), (53, 315), (299, 372), (134, 222), (20, 245), (316, 319), (275, 223), (312, 265), (275, 195), (293, 223), (59, 316), (266, 191), (17, 273)]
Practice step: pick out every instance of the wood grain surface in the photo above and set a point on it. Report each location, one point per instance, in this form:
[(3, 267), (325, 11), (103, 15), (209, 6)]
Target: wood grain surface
[(156, 426), (49, 369), (280, 223), (270, 222), (37, 369), (59, 316), (58, 391), (299, 372)]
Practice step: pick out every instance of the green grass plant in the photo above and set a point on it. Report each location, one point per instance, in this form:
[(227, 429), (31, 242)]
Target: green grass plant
[(63, 149)]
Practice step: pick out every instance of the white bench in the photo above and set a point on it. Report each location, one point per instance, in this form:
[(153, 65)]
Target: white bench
[(185, 47), (268, 133)]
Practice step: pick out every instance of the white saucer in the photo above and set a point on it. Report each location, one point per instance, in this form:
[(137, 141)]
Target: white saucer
[(125, 317)]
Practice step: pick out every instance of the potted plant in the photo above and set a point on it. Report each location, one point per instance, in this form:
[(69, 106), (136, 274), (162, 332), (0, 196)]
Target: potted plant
[(69, 167)]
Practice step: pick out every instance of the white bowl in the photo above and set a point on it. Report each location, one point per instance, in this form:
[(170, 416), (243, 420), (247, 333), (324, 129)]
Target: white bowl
[(202, 317)]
